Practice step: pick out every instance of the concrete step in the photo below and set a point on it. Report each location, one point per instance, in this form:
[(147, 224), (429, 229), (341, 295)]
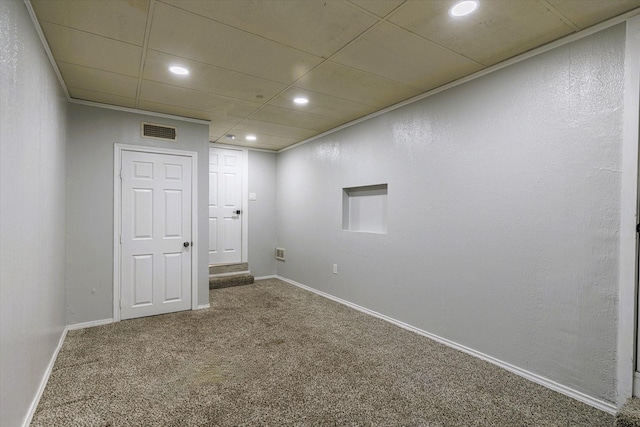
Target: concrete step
[(228, 268), (229, 281), (629, 414)]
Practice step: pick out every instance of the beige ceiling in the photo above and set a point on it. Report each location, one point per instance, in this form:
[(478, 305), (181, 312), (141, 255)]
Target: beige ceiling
[(248, 59)]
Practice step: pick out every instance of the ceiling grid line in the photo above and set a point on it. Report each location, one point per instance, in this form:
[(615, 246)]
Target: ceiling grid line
[(435, 43), (88, 32), (559, 14), (373, 15), (215, 66), (145, 45), (394, 11), (232, 26)]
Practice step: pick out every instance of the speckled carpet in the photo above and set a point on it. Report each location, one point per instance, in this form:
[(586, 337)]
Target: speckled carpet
[(629, 414), (271, 354)]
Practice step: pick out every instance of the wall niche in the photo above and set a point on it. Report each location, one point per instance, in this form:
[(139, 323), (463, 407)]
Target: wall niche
[(364, 209)]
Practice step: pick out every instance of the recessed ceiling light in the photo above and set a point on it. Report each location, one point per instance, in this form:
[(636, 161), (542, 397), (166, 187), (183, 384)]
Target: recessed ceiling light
[(175, 69), (251, 138), (301, 100), (230, 136), (463, 8)]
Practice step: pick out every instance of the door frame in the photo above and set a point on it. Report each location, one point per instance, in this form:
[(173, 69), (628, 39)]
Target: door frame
[(117, 220), (245, 195)]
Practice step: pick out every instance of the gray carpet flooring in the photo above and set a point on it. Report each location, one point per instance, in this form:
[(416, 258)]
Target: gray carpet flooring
[(271, 354), (629, 414)]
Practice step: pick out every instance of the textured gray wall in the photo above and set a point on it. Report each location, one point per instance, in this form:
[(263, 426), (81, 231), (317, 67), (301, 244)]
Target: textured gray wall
[(33, 136), (262, 213), (92, 135), (503, 198)]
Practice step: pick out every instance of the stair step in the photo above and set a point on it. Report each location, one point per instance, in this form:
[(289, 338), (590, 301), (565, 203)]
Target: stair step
[(629, 414), (229, 281), (228, 268)]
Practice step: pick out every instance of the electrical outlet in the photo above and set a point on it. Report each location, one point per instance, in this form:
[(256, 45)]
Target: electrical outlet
[(335, 268)]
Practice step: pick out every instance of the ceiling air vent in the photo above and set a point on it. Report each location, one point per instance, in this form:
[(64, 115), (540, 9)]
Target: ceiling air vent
[(167, 133), (280, 253)]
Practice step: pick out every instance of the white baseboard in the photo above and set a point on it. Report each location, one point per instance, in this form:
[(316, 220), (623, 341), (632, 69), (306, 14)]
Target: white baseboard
[(560, 388), (43, 382), (203, 306), (266, 277), (91, 324), (47, 373)]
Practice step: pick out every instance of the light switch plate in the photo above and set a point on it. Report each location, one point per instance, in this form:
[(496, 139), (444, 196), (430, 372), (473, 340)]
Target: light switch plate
[(252, 197)]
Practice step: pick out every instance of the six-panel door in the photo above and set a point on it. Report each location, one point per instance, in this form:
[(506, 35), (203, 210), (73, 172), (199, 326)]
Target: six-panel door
[(225, 200), (155, 234)]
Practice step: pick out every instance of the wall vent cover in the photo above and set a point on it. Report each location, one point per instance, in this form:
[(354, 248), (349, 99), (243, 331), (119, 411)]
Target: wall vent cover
[(167, 133), (280, 254)]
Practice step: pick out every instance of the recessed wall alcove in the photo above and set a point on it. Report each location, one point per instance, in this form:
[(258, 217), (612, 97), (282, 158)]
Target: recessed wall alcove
[(364, 209)]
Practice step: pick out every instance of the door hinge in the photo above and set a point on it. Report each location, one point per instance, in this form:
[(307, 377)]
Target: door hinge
[(121, 239), (637, 228)]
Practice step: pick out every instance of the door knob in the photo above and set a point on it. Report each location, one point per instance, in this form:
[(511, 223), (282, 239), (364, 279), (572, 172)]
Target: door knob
[(238, 212), (185, 244)]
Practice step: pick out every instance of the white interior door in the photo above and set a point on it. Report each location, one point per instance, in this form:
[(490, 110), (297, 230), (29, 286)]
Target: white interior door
[(225, 206), (156, 193)]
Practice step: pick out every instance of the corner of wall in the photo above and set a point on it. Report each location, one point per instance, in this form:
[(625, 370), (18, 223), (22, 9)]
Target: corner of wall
[(627, 286)]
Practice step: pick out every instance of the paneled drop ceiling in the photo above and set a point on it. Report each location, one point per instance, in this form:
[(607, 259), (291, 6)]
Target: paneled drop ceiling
[(248, 59)]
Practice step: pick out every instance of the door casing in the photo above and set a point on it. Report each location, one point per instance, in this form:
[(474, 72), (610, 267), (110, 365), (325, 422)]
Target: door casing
[(117, 220)]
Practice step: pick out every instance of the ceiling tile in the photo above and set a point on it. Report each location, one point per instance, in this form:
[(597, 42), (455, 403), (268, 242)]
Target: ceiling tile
[(344, 82), (318, 27), (274, 129), (498, 30), (98, 80), (222, 120), (216, 132), (297, 119), (189, 36), (268, 142), (378, 7), (80, 48), (191, 99), (589, 12), (123, 21), (246, 144), (398, 55), (103, 98), (322, 105), (208, 78)]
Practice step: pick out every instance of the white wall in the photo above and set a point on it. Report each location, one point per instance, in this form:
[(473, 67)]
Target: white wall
[(92, 135), (262, 213), (503, 198), (32, 212)]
